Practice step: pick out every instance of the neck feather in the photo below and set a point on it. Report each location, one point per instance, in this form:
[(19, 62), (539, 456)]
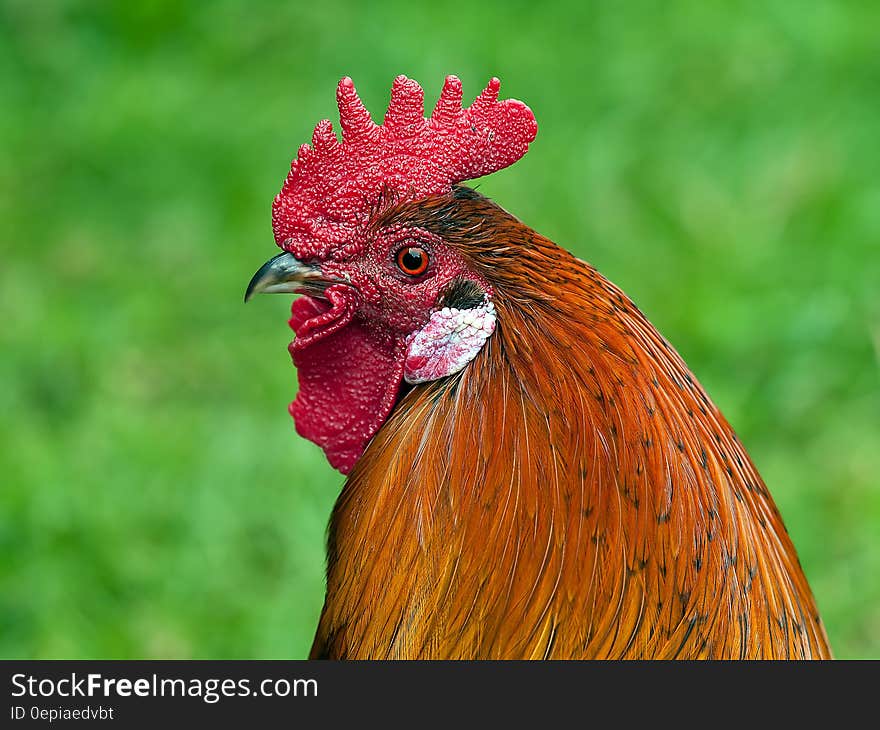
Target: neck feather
[(573, 492)]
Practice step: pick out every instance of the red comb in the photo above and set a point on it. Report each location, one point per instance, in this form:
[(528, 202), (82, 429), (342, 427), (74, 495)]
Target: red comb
[(333, 186)]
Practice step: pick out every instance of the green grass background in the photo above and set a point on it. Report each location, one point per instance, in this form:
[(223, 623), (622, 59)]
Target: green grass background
[(720, 164)]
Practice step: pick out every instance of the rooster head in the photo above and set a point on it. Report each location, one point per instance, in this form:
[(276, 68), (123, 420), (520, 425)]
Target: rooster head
[(386, 303)]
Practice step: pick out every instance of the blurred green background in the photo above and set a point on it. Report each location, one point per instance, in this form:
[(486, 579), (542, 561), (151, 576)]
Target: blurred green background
[(721, 165)]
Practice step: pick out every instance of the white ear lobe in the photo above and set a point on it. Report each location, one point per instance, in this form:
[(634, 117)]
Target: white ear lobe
[(448, 342)]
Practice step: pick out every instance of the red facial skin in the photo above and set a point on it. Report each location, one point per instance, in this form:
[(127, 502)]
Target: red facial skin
[(349, 350)]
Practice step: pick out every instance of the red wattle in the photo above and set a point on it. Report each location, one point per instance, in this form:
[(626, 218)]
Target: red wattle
[(348, 382)]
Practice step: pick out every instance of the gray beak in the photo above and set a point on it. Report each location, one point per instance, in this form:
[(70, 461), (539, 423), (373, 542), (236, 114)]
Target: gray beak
[(285, 274)]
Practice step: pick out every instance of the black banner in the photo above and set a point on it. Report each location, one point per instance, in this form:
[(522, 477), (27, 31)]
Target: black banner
[(253, 693)]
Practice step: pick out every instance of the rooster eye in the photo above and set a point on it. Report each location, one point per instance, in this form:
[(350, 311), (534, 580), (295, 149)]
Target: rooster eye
[(412, 260)]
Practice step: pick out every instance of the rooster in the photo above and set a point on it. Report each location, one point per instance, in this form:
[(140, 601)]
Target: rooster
[(532, 470)]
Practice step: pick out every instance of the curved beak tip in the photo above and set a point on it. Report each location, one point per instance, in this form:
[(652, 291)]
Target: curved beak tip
[(249, 292), (254, 284)]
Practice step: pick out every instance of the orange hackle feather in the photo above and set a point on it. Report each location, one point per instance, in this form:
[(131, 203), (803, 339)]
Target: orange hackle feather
[(572, 493)]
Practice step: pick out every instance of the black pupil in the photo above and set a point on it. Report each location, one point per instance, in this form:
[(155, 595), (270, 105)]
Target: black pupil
[(412, 259)]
